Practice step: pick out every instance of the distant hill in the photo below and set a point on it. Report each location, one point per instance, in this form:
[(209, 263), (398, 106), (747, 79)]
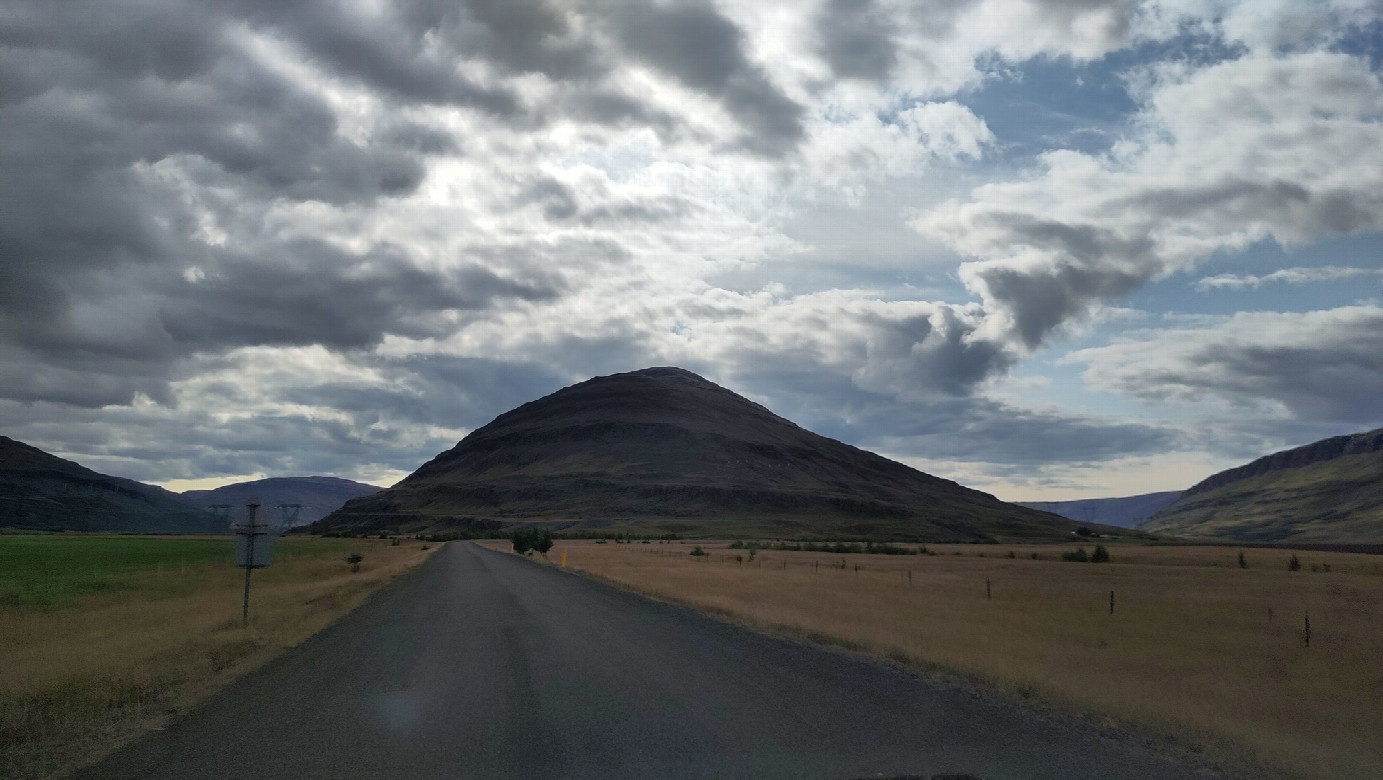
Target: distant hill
[(317, 496), (1124, 512), (1330, 491), (43, 492), (663, 450)]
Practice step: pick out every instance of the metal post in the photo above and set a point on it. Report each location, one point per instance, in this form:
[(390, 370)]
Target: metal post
[(245, 614)]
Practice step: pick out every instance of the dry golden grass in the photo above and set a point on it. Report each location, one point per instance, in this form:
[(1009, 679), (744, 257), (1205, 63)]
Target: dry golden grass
[(1198, 650), (77, 682)]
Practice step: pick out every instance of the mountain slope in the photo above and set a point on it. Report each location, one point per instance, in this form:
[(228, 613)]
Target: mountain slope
[(39, 491), (664, 450), (317, 496), (1125, 512), (1328, 491)]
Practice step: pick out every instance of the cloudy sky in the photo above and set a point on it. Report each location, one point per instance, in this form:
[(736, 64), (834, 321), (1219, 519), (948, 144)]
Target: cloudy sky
[(1049, 248)]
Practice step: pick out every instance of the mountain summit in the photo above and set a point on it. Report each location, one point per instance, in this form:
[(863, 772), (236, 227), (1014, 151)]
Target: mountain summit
[(663, 450)]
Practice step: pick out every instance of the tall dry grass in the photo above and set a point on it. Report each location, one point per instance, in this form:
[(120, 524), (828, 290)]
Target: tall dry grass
[(1197, 650), (78, 682)]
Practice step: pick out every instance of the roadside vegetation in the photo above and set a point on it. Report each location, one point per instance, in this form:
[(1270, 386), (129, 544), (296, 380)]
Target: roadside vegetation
[(106, 637), (1205, 647)]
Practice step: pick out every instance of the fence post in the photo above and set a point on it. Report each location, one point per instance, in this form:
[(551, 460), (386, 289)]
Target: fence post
[(1111, 602)]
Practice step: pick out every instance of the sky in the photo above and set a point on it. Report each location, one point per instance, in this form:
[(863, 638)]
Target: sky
[(1049, 249)]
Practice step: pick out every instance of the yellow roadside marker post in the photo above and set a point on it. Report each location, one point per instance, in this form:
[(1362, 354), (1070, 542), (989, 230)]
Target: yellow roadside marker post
[(564, 559)]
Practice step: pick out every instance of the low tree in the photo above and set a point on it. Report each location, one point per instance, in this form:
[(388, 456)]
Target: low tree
[(353, 559), (1101, 555), (529, 539)]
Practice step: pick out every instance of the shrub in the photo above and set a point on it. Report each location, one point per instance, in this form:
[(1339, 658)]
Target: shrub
[(527, 539), (354, 560), (1243, 562), (1079, 556), (1294, 563), (1101, 555), (697, 551)]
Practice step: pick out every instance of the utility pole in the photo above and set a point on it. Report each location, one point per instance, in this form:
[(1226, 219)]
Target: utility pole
[(290, 514), (254, 550)]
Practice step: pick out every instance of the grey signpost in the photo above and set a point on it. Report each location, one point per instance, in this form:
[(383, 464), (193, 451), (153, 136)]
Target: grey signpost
[(254, 548)]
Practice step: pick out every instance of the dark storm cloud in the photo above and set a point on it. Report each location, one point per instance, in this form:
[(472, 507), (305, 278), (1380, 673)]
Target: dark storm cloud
[(309, 292), (702, 49), (856, 39), (135, 89), (440, 390), (122, 127), (1321, 366), (388, 52), (559, 203), (955, 428), (1092, 264)]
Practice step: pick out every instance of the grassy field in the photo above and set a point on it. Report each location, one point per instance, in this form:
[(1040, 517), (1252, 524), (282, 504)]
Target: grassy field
[(105, 637), (1198, 651)]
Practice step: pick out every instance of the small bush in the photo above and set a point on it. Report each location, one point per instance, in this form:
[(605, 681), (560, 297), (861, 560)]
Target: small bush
[(1079, 556), (1243, 562), (697, 552), (1101, 555), (1012, 554), (354, 560), (539, 539), (1294, 563)]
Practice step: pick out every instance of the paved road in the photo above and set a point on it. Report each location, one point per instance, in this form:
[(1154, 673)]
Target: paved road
[(481, 664)]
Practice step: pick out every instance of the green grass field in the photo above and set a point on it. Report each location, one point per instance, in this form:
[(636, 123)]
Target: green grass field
[(48, 572), (52, 572)]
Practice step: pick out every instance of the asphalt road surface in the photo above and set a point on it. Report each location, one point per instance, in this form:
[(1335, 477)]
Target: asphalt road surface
[(481, 664)]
